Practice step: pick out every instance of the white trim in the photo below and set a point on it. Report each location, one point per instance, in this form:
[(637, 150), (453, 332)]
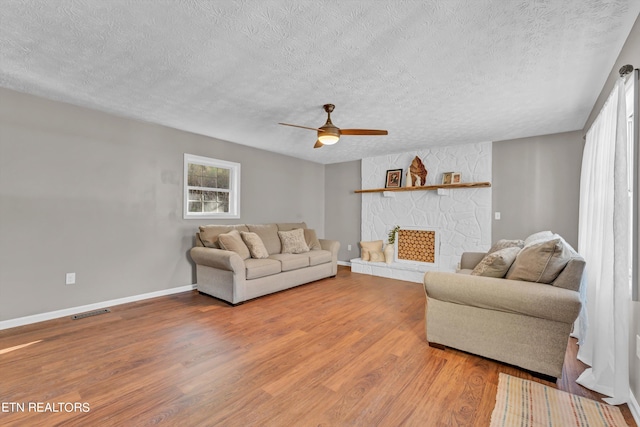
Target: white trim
[(27, 320), (345, 263), (634, 407)]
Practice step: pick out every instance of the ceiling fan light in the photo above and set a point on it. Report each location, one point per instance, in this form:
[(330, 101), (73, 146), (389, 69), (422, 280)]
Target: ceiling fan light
[(328, 139)]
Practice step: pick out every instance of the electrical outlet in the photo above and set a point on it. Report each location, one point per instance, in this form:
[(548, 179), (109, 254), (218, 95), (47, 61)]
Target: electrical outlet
[(497, 215), (70, 279), (638, 346), (348, 247)]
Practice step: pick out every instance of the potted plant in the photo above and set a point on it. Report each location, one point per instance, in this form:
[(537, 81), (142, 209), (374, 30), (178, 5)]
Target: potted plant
[(389, 249)]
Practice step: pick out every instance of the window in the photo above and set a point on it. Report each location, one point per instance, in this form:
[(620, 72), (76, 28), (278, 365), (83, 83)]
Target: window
[(211, 188)]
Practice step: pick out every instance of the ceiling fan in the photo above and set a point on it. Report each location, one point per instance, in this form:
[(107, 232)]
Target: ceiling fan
[(329, 134)]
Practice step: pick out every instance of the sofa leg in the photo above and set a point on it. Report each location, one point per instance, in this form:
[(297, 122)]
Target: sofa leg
[(438, 346), (226, 302)]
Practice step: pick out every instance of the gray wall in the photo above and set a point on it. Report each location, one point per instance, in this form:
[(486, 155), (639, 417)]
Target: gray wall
[(536, 186), (87, 192), (630, 54), (342, 207)]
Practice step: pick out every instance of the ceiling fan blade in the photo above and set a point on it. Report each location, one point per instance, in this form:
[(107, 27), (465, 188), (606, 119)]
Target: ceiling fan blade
[(298, 126), (363, 132), (318, 144)]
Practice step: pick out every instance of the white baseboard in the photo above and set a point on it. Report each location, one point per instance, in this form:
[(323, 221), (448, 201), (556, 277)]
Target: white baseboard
[(345, 263), (27, 320), (634, 407)]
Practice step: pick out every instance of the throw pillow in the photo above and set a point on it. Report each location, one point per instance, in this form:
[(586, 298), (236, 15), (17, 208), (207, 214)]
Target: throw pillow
[(255, 245), (505, 243), (540, 261), (293, 241), (232, 241), (369, 247), (539, 236), (312, 239), (376, 256), (496, 264)]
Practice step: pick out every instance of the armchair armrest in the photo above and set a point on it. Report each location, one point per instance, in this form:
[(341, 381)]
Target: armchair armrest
[(217, 258), (469, 260), (511, 296)]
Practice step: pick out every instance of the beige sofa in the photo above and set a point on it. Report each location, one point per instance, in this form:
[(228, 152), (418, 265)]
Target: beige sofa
[(522, 323), (232, 277)]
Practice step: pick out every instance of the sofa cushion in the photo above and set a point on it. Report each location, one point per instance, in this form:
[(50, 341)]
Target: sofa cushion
[(291, 261), (506, 243), (539, 236), (496, 264), (255, 245), (232, 241), (540, 261), (209, 233), (256, 268), (293, 241), (368, 247), (319, 257), (312, 239), (269, 235), (288, 226)]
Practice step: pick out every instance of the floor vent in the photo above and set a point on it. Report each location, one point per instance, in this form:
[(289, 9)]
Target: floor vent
[(90, 313)]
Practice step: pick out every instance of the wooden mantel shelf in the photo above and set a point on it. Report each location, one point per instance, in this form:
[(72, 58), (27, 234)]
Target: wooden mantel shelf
[(428, 187)]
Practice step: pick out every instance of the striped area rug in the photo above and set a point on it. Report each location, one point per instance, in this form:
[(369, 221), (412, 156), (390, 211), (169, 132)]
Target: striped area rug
[(526, 403)]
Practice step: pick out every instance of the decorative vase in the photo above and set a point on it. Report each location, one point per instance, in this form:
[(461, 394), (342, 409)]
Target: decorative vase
[(418, 173), (389, 253)]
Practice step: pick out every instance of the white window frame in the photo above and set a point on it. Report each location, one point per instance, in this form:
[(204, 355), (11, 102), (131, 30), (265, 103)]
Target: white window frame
[(234, 187)]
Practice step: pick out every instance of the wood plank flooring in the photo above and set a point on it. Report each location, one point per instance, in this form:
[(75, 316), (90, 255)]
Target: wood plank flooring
[(348, 351)]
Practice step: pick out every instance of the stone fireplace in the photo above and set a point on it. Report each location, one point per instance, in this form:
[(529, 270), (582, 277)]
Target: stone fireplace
[(459, 219)]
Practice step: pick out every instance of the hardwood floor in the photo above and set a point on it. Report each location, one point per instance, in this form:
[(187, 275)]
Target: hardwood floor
[(349, 351)]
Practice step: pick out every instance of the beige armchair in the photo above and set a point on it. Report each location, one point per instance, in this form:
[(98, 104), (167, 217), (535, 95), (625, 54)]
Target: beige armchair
[(521, 323)]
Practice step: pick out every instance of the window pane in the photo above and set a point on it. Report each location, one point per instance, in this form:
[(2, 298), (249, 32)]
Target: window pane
[(195, 206), (212, 201), (223, 178), (195, 195), (209, 177), (223, 201), (195, 175)]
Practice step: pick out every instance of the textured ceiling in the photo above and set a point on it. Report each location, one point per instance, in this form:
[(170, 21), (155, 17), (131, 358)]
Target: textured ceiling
[(430, 72)]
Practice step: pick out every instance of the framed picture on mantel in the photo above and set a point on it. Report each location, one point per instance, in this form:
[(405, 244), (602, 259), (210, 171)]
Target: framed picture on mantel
[(447, 177), (394, 178)]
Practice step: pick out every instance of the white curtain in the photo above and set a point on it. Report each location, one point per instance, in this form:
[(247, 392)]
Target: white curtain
[(603, 240)]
